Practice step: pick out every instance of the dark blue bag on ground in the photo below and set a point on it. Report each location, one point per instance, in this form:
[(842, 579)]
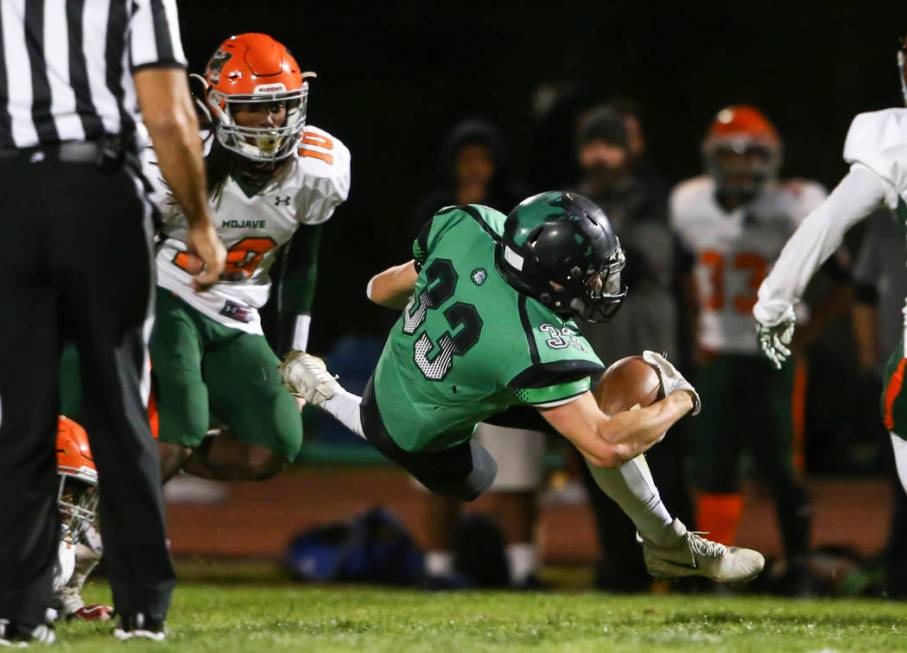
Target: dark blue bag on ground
[(373, 547)]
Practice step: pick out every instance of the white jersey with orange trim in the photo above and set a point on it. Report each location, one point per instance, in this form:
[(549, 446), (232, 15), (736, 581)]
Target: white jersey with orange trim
[(306, 191), (734, 250), (876, 148)]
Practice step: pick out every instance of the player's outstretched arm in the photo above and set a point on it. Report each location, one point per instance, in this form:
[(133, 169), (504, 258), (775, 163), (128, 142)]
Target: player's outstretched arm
[(611, 441), (393, 287), (860, 193)]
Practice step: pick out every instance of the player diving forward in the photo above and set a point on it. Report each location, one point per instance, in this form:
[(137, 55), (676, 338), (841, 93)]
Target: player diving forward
[(488, 324), (267, 174), (876, 149)]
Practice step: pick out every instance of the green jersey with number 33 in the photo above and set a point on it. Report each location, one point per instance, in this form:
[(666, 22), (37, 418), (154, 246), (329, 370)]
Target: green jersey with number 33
[(468, 345)]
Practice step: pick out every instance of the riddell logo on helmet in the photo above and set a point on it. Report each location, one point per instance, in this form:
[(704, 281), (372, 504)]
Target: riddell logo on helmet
[(270, 88)]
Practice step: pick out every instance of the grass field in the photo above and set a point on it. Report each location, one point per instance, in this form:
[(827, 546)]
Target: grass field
[(238, 613)]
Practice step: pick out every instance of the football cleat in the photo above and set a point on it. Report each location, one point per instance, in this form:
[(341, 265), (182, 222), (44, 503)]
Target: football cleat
[(689, 554), (307, 376), (16, 636), (92, 613), (140, 626)]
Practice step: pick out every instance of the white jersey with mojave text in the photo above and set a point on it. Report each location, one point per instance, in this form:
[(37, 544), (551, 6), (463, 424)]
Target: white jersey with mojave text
[(315, 181), (733, 252)]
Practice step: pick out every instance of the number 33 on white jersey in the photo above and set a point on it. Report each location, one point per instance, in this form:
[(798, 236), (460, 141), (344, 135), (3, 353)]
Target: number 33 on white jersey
[(733, 252)]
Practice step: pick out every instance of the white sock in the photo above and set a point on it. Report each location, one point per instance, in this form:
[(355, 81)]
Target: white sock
[(632, 488), (439, 563), (900, 457), (344, 406), (523, 561)]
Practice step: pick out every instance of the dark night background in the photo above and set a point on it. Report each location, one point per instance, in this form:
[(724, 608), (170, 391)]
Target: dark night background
[(395, 76)]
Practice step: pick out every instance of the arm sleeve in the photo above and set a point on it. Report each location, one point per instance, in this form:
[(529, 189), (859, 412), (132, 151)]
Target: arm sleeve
[(297, 288), (546, 385), (820, 234), (154, 35)]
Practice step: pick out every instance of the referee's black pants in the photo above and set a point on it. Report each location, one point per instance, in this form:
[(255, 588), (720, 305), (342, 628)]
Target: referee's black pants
[(75, 262)]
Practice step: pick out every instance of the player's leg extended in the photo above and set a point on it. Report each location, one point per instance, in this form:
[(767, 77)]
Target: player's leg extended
[(718, 443), (177, 350), (772, 439), (265, 428), (894, 409), (309, 378)]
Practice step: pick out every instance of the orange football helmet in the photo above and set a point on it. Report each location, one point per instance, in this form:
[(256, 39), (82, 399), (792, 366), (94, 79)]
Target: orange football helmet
[(77, 496), (250, 68), (742, 151)]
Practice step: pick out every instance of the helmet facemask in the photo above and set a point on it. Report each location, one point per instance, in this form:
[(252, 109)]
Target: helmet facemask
[(591, 295), (742, 166), (77, 501), (260, 144)]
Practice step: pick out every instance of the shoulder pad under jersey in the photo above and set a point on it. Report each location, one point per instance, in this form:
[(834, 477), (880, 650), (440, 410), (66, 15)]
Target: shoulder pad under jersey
[(689, 201), (323, 163), (878, 140)]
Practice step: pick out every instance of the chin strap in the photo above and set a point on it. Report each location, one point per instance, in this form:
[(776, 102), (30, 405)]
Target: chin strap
[(199, 101)]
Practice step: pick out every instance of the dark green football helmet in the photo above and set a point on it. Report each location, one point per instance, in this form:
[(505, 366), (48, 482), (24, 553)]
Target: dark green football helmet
[(559, 248)]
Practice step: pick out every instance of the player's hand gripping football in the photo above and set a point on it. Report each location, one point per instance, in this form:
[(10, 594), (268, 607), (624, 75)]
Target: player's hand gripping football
[(775, 340), (204, 243), (671, 378)]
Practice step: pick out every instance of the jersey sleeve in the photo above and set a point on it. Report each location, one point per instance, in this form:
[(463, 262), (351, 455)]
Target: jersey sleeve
[(561, 362), (878, 140), (154, 35), (683, 203), (324, 163)]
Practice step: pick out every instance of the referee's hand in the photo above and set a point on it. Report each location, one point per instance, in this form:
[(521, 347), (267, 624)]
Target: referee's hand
[(204, 243)]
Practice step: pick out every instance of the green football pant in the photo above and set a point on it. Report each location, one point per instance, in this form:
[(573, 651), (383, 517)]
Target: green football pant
[(197, 362), (746, 406)]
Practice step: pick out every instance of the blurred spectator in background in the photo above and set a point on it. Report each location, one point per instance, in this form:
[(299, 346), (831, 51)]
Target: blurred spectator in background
[(476, 171), (732, 223), (643, 167), (647, 321), (878, 323)]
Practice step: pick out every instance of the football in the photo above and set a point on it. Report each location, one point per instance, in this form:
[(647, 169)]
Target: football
[(628, 383)]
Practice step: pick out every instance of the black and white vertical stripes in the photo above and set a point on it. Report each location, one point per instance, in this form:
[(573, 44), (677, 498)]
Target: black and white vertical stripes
[(66, 66)]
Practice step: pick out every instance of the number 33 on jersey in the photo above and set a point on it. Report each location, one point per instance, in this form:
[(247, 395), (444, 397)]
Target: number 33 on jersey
[(313, 183), (733, 251)]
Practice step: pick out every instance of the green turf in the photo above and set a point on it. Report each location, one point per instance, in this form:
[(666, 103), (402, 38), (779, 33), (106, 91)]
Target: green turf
[(243, 616)]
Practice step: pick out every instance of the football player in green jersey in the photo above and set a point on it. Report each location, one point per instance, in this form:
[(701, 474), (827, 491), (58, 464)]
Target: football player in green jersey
[(489, 303)]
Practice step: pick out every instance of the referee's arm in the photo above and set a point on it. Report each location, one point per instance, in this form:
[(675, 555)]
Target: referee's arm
[(169, 115), (157, 61)]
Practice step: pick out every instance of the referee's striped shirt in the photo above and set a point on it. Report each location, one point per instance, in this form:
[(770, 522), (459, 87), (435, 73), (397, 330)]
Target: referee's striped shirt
[(66, 66)]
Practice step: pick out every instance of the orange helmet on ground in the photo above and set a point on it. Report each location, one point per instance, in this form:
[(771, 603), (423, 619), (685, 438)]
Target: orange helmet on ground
[(742, 151), (253, 68), (77, 492)]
